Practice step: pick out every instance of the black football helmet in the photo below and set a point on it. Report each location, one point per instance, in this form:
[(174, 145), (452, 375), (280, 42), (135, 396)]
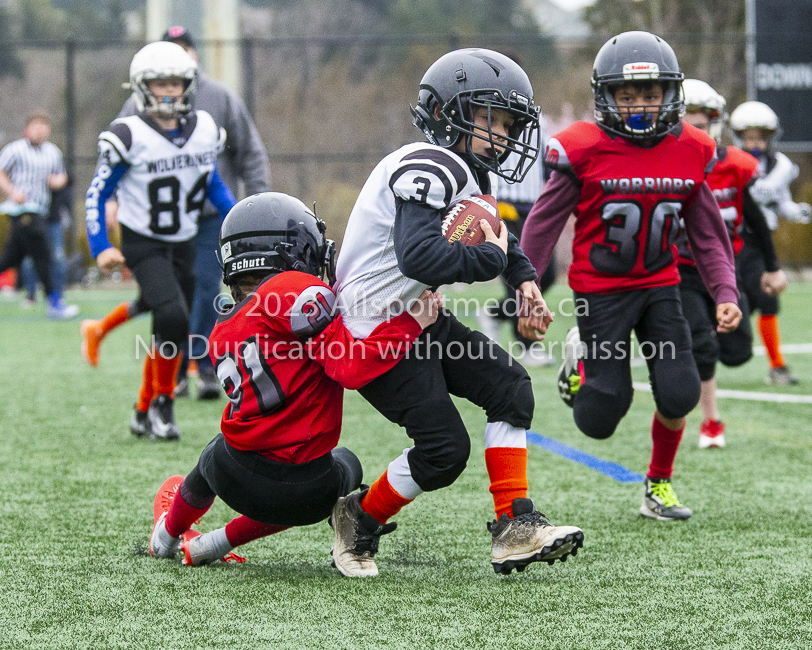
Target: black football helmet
[(637, 56), (464, 79), (275, 232)]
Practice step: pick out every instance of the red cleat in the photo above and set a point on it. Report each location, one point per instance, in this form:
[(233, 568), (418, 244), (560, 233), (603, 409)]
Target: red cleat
[(160, 544), (712, 434)]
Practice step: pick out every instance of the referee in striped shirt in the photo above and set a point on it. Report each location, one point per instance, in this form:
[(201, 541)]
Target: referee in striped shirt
[(30, 168)]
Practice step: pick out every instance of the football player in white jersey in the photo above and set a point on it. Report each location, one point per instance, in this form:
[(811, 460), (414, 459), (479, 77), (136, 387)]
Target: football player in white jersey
[(162, 165), (475, 107), (755, 128)]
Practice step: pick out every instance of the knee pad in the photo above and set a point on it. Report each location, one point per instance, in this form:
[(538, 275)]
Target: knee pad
[(170, 321), (438, 466), (352, 474), (681, 395), (195, 490), (597, 414), (513, 401), (733, 360)]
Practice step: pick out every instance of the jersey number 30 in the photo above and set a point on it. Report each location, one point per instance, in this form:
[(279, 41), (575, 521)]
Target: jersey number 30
[(164, 197), (624, 222), (249, 383)]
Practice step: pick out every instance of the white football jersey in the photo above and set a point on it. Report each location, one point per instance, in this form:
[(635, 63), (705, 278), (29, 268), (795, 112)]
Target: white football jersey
[(166, 183), (370, 286)]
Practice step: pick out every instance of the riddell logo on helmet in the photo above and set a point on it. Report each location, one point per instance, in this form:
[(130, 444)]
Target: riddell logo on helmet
[(641, 70)]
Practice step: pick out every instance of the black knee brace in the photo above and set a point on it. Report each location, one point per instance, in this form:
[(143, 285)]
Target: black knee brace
[(351, 471), (597, 414)]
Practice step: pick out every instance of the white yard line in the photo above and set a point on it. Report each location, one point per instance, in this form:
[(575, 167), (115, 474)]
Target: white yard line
[(745, 395)]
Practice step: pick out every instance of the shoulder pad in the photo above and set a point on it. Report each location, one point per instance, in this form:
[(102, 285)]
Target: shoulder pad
[(429, 175), (313, 311), (555, 156), (117, 140)]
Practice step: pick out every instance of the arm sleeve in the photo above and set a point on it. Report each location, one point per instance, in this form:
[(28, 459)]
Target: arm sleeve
[(101, 189), (756, 222), (219, 194), (710, 243), (519, 269), (547, 218), (425, 255), (359, 361), (245, 149)]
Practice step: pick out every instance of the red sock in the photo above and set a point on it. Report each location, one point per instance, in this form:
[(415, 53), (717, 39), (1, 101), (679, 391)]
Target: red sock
[(768, 328), (507, 469), (163, 378), (382, 501), (145, 393), (663, 450), (242, 530), (119, 315), (181, 516)]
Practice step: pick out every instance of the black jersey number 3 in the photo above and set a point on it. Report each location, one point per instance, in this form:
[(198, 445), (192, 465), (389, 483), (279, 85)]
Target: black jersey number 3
[(164, 196), (624, 222)]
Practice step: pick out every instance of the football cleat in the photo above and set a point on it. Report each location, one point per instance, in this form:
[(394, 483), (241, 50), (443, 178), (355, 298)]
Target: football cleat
[(181, 388), (92, 336), (199, 551), (712, 434), (208, 386), (139, 423), (781, 376), (569, 375), (357, 534), (660, 501), (162, 419), (528, 537), (58, 310), (161, 543)]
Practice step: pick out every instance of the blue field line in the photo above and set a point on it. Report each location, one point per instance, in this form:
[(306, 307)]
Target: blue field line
[(610, 469)]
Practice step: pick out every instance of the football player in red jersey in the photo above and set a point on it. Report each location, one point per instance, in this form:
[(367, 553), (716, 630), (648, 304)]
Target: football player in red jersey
[(629, 178), (730, 181), (283, 355)]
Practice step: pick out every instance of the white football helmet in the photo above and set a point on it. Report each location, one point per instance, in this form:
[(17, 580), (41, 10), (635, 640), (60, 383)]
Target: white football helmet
[(162, 60), (701, 97), (755, 115)]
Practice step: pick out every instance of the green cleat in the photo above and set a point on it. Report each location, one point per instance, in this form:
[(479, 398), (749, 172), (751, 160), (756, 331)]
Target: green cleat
[(660, 501), (569, 378)]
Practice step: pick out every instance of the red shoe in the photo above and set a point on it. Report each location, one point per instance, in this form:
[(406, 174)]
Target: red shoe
[(192, 558), (92, 336), (712, 434), (163, 500)]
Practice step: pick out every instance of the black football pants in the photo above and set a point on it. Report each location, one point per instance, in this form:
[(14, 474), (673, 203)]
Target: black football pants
[(166, 279), (655, 315), (449, 359), (29, 236), (286, 494)]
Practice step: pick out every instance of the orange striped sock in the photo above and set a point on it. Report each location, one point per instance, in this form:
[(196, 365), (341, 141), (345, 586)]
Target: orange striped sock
[(163, 378), (382, 501), (507, 469), (768, 327), (119, 315), (145, 394)]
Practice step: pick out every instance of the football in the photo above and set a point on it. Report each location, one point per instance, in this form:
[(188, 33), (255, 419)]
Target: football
[(461, 222)]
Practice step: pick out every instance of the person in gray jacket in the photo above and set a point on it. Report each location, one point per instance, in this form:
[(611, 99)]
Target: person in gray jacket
[(244, 158)]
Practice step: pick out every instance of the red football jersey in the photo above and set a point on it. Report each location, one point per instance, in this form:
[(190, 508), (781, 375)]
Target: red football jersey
[(284, 358), (627, 217), (733, 171)]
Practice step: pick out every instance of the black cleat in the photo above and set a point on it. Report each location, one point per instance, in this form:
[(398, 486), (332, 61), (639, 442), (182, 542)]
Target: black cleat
[(162, 419)]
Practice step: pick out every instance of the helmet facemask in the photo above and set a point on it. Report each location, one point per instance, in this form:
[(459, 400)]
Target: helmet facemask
[(640, 123), (522, 139), (166, 109)]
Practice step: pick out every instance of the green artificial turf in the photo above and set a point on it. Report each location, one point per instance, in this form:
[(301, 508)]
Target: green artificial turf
[(76, 512)]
